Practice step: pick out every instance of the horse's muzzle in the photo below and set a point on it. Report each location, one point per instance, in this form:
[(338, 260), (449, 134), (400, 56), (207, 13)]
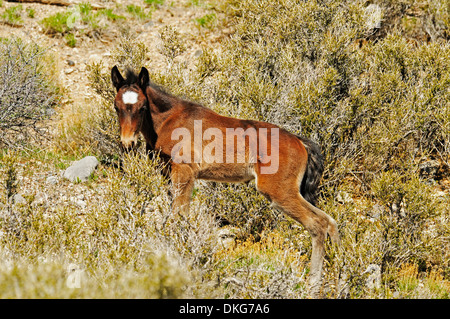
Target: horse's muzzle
[(128, 144)]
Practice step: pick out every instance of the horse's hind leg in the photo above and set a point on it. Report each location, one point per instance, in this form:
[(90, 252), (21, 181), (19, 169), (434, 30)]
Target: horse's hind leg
[(288, 199), (317, 226)]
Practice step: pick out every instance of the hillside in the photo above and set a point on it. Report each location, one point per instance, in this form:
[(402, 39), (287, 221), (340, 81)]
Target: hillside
[(368, 81)]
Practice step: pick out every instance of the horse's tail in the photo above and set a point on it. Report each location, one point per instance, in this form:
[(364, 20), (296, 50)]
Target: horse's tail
[(314, 171)]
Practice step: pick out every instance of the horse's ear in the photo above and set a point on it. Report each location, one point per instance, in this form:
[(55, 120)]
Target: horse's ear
[(116, 78), (144, 78)]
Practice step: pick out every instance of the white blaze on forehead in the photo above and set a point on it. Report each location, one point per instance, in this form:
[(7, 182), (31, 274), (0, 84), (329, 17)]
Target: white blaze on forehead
[(130, 97)]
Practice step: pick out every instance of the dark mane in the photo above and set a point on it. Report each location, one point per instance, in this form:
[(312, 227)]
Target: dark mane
[(160, 89), (165, 99), (130, 77)]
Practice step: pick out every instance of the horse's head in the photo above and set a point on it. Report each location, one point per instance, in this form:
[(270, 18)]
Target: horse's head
[(130, 103)]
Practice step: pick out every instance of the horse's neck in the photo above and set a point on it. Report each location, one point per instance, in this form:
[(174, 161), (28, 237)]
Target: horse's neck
[(160, 105)]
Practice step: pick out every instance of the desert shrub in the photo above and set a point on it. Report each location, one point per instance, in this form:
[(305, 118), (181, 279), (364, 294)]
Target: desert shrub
[(29, 91), (114, 246), (408, 208), (311, 79), (52, 278), (239, 205), (172, 44), (423, 21), (401, 223), (404, 89), (270, 268)]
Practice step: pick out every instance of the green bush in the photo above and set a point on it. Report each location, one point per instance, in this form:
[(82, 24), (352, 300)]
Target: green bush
[(81, 20), (13, 16)]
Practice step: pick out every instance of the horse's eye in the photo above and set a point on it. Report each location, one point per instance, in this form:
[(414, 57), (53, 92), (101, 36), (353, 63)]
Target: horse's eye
[(142, 109)]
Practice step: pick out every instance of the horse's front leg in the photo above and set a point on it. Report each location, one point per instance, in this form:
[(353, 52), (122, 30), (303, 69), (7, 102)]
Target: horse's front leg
[(150, 150), (182, 178)]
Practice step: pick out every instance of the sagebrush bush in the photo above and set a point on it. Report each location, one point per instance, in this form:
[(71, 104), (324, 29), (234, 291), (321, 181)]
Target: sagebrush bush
[(402, 222), (29, 92), (12, 16), (115, 245), (369, 104)]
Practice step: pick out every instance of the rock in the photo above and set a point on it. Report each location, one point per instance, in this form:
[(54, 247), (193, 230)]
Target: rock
[(19, 199), (78, 200), (40, 199), (81, 203), (439, 194), (344, 197), (198, 53), (69, 70), (94, 58), (373, 281), (52, 180), (376, 212), (70, 62), (429, 168), (226, 237), (81, 170), (149, 25), (75, 276)]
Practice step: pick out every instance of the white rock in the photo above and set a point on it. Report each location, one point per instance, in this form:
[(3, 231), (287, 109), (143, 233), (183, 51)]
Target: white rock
[(226, 237), (19, 199), (81, 170), (52, 180), (81, 203), (373, 281), (344, 197)]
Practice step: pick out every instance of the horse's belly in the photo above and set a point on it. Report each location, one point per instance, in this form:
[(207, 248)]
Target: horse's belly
[(227, 172)]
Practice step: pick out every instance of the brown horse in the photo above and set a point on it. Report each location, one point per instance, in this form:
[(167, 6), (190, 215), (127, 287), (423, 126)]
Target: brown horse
[(201, 144)]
